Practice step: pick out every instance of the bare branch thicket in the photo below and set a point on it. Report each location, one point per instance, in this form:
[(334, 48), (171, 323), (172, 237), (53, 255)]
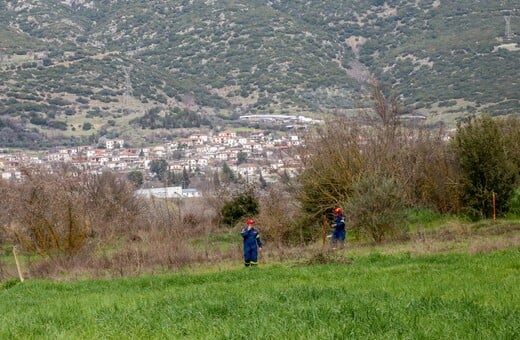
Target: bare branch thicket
[(214, 200), (111, 205), (343, 154), (5, 216), (48, 213), (428, 171), (332, 160), (278, 217), (419, 158)]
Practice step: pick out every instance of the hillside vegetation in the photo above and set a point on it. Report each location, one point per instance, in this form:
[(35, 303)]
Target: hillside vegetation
[(88, 68)]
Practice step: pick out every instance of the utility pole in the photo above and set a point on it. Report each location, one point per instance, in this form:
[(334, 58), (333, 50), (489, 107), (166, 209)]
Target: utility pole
[(509, 34)]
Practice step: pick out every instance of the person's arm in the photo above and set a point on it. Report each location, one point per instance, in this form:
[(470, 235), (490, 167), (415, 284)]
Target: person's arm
[(245, 231), (340, 221), (259, 241)]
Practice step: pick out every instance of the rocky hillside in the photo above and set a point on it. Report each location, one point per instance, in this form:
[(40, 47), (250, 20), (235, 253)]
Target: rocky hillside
[(78, 69)]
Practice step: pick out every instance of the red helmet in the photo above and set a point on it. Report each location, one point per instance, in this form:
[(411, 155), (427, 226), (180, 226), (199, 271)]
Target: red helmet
[(338, 211), (250, 221)]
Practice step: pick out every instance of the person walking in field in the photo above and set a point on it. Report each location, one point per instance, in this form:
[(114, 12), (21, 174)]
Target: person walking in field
[(339, 234), (252, 244)]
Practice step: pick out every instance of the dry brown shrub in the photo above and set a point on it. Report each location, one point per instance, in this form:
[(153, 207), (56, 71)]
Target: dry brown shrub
[(278, 216), (111, 205), (48, 214), (81, 265), (487, 245)]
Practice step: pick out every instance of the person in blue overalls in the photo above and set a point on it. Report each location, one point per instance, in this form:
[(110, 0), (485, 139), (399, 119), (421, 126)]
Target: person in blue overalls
[(339, 234), (252, 244)]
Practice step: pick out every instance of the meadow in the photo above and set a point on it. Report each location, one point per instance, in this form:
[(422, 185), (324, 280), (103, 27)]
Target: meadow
[(370, 296)]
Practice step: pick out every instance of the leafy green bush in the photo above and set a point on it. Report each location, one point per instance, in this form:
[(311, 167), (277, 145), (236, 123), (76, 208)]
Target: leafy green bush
[(240, 206), (376, 207), (514, 203), (488, 160)]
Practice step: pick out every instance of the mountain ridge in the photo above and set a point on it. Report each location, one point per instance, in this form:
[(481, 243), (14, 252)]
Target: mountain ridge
[(84, 69)]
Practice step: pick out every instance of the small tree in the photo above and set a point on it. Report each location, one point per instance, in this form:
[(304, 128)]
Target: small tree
[(241, 158), (486, 165), (185, 178), (227, 174), (159, 167), (278, 217), (48, 213), (111, 204), (242, 205), (376, 207), (136, 177)]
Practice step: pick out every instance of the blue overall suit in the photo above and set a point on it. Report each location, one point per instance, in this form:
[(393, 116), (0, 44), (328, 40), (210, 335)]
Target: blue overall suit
[(339, 234), (252, 242)]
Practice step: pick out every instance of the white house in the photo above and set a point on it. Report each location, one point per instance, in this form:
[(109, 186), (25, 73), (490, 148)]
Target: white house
[(188, 193), (165, 192), (247, 169), (111, 143)]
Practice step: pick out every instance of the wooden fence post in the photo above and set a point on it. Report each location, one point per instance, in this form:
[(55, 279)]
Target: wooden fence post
[(15, 253), (324, 230), (494, 207)]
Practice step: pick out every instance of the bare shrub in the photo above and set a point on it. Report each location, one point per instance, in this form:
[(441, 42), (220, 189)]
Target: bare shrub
[(3, 271), (278, 217), (331, 159), (326, 257), (63, 267), (66, 212), (111, 205), (486, 245), (339, 155), (213, 202), (48, 213)]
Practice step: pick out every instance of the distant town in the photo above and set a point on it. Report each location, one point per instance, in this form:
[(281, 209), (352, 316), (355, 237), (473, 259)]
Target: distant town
[(251, 154)]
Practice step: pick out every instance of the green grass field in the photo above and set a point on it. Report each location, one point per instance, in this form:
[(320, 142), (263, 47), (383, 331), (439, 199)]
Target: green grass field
[(375, 296)]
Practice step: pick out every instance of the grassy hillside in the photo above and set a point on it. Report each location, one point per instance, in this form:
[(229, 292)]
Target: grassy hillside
[(374, 296), (112, 61)]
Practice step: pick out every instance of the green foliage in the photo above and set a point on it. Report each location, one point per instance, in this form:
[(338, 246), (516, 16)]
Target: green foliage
[(87, 126), (185, 178), (486, 168), (171, 120), (228, 175), (514, 203), (284, 53), (241, 158), (136, 177), (376, 207), (242, 205), (159, 167), (422, 217)]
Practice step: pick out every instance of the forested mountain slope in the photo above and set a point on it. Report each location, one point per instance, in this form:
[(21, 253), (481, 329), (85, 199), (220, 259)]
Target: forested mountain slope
[(79, 66)]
